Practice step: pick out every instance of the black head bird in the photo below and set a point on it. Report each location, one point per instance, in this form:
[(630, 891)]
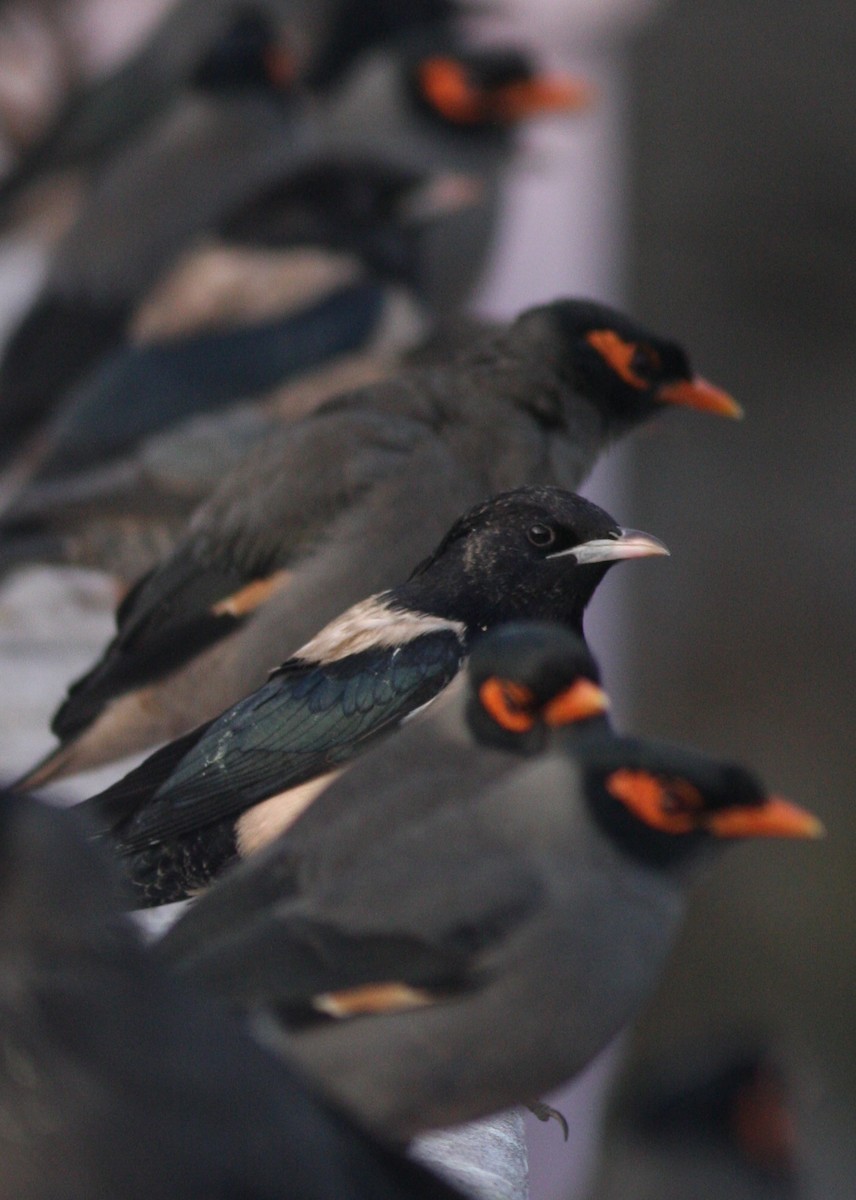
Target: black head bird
[(512, 932), (535, 552), (120, 1081), (343, 502)]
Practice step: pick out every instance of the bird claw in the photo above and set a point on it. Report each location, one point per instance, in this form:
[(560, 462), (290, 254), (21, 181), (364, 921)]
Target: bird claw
[(545, 1112)]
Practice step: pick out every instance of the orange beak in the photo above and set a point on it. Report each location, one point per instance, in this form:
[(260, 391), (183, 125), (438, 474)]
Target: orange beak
[(543, 94), (445, 85), (698, 393), (775, 818), (582, 700)]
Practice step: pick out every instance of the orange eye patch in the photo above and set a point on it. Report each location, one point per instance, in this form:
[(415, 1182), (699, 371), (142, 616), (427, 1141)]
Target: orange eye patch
[(618, 354), (508, 703), (445, 86), (670, 808)]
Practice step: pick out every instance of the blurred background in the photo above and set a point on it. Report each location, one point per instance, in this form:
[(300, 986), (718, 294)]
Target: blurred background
[(711, 190)]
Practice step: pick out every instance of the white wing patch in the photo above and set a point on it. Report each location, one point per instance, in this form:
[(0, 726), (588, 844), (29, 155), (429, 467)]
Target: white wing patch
[(373, 624)]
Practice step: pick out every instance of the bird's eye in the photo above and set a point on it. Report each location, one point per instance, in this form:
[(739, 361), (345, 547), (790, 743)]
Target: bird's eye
[(680, 796), (541, 535), (645, 361)]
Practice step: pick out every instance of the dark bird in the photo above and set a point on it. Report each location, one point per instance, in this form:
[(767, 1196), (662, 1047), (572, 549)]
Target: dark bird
[(328, 265), (347, 293), (484, 954), (704, 1122), (242, 125), (316, 44), (196, 38), (119, 1080), (535, 552), (181, 184), (341, 504), (523, 681)]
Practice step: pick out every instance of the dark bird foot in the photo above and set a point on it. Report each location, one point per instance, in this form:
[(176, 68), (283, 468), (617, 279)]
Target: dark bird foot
[(545, 1112)]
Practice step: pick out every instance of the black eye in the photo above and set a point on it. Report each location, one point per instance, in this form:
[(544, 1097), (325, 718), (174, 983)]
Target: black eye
[(645, 361), (541, 535)]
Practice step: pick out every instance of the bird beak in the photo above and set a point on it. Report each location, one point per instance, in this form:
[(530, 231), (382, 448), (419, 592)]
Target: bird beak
[(698, 393), (582, 700), (774, 818), (630, 543), (543, 94)]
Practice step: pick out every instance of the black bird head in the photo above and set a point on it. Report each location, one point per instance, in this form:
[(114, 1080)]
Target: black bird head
[(626, 372), (534, 553), (491, 89), (528, 678), (732, 1100), (662, 804), (249, 55)]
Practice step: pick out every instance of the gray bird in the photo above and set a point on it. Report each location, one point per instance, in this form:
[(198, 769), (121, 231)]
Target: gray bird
[(523, 681), (320, 41), (120, 1081), (483, 954), (343, 503), (124, 516), (196, 162), (702, 1122), (187, 175)]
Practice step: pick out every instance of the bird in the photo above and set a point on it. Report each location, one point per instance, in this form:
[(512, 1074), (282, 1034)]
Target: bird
[(175, 820), (121, 1080), (317, 45), (100, 118), (522, 682), (344, 501), (325, 266), (242, 122), (486, 953), (707, 1120), (183, 180)]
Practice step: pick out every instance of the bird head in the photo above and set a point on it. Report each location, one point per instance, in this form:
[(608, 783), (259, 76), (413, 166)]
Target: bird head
[(722, 1101), (535, 553), (250, 54), (625, 371), (528, 678), (663, 803)]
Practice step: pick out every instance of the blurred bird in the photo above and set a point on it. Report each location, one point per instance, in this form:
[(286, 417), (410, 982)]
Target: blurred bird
[(327, 266), (523, 681), (177, 819), (119, 1081), (707, 1122), (317, 43), (238, 128), (342, 503), (486, 953), (182, 182)]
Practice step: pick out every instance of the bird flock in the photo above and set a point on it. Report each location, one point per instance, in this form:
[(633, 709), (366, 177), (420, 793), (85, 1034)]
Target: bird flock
[(428, 879)]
